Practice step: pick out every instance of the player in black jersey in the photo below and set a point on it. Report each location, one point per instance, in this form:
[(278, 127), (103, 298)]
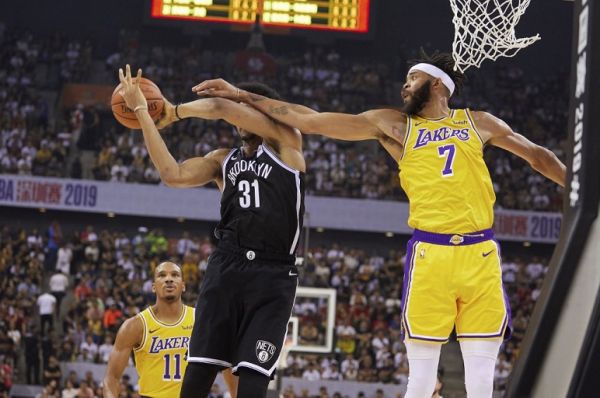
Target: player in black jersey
[(247, 294)]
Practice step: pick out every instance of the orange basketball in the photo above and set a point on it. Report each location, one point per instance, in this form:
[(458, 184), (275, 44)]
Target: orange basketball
[(126, 116)]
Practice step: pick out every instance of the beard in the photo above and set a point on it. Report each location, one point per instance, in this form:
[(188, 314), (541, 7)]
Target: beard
[(418, 99), (169, 298)]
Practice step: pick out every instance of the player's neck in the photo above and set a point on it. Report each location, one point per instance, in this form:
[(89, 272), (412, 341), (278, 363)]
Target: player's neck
[(435, 109), (250, 147), (168, 312)]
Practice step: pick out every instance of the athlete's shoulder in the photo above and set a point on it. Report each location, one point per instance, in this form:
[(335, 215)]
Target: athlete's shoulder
[(385, 114), (391, 122), (219, 154), (190, 313), (489, 126), (131, 332), (135, 322), (479, 115)]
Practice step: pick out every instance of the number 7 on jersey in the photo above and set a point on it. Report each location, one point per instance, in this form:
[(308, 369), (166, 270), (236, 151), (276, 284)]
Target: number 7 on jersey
[(448, 151)]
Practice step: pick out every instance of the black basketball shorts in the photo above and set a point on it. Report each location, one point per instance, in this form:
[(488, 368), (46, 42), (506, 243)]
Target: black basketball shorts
[(243, 309)]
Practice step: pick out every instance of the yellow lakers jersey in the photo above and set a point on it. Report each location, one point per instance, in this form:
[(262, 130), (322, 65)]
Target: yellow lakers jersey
[(444, 176), (161, 359)]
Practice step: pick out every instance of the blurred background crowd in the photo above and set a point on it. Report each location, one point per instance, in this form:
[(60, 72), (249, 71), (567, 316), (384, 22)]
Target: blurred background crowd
[(85, 142), (64, 295)]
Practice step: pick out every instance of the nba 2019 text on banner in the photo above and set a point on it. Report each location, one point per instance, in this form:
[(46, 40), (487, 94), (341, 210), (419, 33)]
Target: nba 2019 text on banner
[(203, 204)]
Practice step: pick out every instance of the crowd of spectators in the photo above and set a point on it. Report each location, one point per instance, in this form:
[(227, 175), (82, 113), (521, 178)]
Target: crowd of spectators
[(86, 142), (29, 142), (63, 296)]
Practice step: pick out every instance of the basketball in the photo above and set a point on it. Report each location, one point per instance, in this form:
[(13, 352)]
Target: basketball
[(126, 116)]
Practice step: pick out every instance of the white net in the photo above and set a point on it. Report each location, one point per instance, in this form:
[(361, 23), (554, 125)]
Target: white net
[(485, 29)]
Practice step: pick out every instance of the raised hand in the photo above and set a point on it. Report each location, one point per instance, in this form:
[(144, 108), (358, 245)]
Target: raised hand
[(130, 91), (217, 88)]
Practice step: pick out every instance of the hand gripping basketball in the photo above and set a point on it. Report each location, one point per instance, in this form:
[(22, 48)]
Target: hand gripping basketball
[(132, 95), (130, 91)]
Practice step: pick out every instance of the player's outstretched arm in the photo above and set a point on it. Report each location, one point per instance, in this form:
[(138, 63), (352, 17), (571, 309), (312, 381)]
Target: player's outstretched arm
[(496, 132), (334, 125), (193, 172), (129, 336), (235, 113)]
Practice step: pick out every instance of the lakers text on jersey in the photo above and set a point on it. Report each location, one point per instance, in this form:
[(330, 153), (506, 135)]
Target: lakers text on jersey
[(160, 360), (444, 175)]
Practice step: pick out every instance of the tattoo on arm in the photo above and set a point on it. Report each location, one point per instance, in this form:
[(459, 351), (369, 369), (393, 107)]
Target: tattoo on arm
[(282, 110)]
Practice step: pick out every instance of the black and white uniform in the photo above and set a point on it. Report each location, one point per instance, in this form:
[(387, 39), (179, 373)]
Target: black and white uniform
[(248, 292)]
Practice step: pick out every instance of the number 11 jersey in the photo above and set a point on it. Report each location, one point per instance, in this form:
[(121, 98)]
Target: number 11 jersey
[(161, 357), (262, 206)]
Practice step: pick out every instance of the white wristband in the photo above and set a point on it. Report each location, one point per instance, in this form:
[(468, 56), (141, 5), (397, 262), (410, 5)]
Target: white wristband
[(137, 108)]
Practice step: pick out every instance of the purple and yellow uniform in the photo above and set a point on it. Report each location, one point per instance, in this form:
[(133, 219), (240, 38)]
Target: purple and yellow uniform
[(452, 276), (161, 358)]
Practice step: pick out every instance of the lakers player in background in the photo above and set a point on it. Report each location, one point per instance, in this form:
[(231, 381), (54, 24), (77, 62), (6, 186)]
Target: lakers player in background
[(159, 337), (452, 272)]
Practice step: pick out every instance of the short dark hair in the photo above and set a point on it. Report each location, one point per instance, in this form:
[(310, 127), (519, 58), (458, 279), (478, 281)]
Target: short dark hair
[(445, 62), (260, 89), (165, 262)]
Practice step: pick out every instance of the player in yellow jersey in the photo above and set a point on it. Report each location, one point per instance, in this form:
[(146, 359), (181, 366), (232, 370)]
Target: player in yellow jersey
[(159, 338), (452, 274)]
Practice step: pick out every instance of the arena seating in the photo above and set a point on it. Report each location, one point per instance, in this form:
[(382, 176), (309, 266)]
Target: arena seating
[(110, 279), (86, 142)]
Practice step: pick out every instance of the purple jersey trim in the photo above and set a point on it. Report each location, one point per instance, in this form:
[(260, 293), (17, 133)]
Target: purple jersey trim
[(509, 326), (503, 329), (408, 264), (453, 239)]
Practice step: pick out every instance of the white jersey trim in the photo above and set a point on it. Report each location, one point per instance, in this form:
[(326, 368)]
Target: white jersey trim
[(168, 325), (212, 361), (286, 330), (298, 203), (252, 366), (298, 193), (279, 161), (144, 337), (224, 165)]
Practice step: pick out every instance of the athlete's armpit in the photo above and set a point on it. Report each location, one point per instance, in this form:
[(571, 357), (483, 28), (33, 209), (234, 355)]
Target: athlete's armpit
[(393, 147), (389, 122)]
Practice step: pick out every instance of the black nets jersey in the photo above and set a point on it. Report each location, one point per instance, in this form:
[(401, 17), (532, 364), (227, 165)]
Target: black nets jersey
[(262, 206)]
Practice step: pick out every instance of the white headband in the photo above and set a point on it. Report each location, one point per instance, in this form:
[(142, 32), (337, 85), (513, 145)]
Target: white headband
[(437, 73)]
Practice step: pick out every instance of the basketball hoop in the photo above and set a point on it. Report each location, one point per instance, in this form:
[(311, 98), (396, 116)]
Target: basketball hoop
[(485, 29)]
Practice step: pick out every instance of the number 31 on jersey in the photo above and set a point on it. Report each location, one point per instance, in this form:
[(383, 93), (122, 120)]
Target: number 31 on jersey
[(250, 193)]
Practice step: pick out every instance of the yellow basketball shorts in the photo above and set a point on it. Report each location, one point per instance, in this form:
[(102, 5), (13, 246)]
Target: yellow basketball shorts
[(454, 281)]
